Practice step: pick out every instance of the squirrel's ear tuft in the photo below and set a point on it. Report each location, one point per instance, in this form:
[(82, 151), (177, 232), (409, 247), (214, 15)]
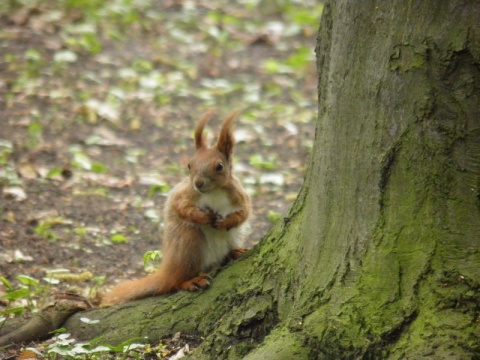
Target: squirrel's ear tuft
[(200, 141), (226, 141)]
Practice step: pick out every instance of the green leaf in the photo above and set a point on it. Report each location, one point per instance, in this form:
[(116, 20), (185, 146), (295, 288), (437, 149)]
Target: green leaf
[(260, 162), (35, 130), (307, 16), (82, 160), (118, 238), (91, 43), (272, 66), (17, 294), (154, 189), (33, 55), (80, 231), (58, 331), (59, 349), (126, 345), (273, 216), (98, 168), (54, 173), (302, 57), (27, 280), (6, 283), (13, 311), (6, 149), (142, 65), (153, 255)]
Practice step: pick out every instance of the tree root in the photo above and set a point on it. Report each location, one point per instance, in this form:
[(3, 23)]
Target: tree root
[(47, 320)]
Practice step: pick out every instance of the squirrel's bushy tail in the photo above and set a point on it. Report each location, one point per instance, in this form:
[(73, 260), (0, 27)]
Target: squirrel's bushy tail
[(150, 285)]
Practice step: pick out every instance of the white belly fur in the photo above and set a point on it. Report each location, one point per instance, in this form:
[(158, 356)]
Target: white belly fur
[(219, 242)]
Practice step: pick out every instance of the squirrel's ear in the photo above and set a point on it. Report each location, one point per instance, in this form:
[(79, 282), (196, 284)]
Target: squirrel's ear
[(226, 140), (200, 141)]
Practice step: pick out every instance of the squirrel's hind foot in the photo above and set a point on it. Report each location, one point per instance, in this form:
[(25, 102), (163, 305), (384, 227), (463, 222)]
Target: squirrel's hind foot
[(201, 281)]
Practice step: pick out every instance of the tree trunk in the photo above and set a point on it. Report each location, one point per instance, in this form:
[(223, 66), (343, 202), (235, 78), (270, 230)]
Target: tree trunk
[(379, 256)]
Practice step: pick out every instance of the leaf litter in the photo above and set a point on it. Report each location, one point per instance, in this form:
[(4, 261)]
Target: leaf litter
[(98, 107)]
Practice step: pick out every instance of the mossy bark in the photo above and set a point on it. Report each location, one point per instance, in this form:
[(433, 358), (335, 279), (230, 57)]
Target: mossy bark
[(380, 255)]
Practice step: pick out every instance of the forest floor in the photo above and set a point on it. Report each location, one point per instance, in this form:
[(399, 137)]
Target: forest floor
[(97, 107)]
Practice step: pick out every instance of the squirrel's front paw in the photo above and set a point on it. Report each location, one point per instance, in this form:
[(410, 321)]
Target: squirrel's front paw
[(205, 217), (202, 217), (224, 224)]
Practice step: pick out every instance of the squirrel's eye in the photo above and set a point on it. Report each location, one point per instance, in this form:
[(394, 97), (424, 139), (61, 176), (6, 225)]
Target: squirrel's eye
[(219, 167), (188, 166)]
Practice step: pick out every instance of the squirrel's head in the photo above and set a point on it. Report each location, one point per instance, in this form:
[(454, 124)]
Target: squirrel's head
[(210, 167)]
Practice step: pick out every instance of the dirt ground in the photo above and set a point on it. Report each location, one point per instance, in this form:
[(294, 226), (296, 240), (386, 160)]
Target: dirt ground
[(97, 109)]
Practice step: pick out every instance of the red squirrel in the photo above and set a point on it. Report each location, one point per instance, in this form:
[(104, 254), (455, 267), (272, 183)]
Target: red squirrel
[(205, 217)]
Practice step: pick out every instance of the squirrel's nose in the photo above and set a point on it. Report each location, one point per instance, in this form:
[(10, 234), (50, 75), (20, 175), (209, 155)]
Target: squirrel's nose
[(199, 184)]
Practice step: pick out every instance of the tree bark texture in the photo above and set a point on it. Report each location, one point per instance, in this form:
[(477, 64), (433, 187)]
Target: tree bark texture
[(397, 185), (379, 256)]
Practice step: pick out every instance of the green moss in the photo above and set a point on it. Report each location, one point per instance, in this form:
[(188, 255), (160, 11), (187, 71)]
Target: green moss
[(280, 345), (378, 254), (407, 57), (448, 310)]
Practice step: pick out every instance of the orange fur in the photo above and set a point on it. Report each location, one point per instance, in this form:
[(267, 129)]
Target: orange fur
[(203, 221)]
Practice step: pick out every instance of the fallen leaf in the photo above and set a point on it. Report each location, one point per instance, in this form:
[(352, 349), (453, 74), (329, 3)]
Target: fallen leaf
[(15, 192), (103, 136), (55, 221), (66, 56), (50, 213), (107, 181), (28, 354), (151, 179), (136, 123), (273, 178), (26, 170), (291, 196), (103, 110), (24, 14), (82, 277), (10, 217), (263, 39), (19, 256)]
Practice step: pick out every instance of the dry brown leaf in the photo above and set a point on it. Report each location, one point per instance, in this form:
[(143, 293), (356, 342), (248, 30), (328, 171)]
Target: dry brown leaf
[(28, 355), (136, 123), (43, 214), (27, 170), (84, 276), (107, 181), (23, 15), (108, 137), (10, 217)]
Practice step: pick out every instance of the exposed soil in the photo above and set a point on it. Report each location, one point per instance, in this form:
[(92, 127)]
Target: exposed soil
[(90, 145)]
